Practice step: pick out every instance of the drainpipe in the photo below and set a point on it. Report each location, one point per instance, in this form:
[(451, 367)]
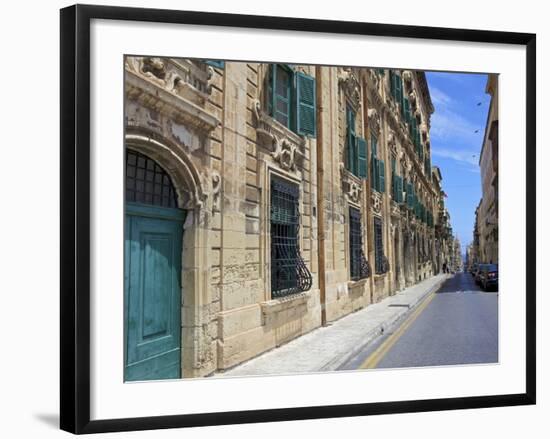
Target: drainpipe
[(320, 195)]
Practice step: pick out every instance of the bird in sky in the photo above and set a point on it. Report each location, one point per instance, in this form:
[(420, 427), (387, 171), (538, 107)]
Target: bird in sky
[(479, 103), (476, 131)]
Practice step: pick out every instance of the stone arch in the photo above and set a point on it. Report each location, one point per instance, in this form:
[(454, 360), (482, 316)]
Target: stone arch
[(187, 182)]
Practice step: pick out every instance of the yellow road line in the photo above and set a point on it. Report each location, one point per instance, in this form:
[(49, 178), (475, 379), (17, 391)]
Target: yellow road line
[(372, 361)]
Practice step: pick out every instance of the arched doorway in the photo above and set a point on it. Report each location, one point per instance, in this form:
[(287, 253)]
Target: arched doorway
[(152, 272)]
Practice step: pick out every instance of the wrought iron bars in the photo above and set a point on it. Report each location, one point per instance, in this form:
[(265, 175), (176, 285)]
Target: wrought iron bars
[(147, 182), (359, 267), (289, 273), (380, 260)]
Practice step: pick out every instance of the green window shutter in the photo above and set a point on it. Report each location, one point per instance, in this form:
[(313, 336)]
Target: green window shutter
[(215, 63), (351, 156), (407, 110), (403, 101), (398, 89), (400, 190), (382, 180), (280, 81), (375, 173), (351, 147), (305, 104), (392, 83), (361, 157)]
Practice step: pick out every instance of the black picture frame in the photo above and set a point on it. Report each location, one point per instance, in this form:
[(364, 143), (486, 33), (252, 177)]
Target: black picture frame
[(75, 217)]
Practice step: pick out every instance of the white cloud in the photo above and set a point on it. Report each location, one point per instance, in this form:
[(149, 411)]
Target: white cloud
[(459, 155), (453, 135), (439, 98), (447, 125)]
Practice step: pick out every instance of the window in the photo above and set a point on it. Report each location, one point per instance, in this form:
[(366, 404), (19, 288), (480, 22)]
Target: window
[(359, 267), (378, 170), (406, 112), (379, 258), (291, 99), (356, 148), (396, 87), (397, 183), (147, 182), (215, 63), (428, 167), (411, 197), (289, 274)]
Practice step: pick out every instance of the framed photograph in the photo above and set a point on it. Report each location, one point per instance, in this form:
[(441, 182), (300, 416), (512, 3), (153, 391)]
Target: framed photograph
[(275, 218)]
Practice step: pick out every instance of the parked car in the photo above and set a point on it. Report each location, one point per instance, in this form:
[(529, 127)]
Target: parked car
[(473, 269), (488, 276), (478, 273)]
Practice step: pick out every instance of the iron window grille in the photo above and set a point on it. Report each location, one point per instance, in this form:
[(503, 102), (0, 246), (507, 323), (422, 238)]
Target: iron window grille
[(359, 267), (289, 273), (147, 182), (380, 261)]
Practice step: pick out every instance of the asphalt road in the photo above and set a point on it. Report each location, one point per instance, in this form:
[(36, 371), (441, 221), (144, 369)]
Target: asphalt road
[(458, 325)]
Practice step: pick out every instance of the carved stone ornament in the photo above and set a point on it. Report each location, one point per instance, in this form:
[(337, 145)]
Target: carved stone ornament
[(408, 165), (392, 142), (285, 154), (395, 210), (413, 98), (351, 185), (393, 228), (374, 77), (177, 88), (287, 148), (375, 84), (173, 75), (216, 191), (407, 76), (376, 202), (349, 81), (374, 120)]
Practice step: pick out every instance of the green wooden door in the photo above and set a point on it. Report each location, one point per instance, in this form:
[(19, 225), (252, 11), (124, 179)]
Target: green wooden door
[(153, 247)]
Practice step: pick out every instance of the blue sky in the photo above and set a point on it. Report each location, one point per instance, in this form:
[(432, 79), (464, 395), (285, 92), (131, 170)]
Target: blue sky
[(456, 145)]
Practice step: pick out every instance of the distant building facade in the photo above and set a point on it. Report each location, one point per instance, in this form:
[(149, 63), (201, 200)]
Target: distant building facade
[(488, 162), (456, 259), (270, 199)]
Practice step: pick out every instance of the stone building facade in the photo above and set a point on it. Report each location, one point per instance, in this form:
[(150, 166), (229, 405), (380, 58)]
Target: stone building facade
[(488, 163), (289, 196)]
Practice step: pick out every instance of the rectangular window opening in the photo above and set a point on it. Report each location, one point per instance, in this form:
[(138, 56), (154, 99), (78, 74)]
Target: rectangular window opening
[(289, 273)]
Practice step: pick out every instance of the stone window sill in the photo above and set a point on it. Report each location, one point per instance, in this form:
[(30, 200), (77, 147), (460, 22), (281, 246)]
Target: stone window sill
[(284, 303), (357, 283)]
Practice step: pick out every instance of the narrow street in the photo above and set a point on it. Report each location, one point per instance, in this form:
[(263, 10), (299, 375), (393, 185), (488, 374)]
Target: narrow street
[(456, 325)]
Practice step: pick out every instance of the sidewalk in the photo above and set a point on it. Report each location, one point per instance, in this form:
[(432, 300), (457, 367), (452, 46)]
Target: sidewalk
[(329, 347)]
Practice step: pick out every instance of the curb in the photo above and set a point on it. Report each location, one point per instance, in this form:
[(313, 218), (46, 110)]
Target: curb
[(380, 329)]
